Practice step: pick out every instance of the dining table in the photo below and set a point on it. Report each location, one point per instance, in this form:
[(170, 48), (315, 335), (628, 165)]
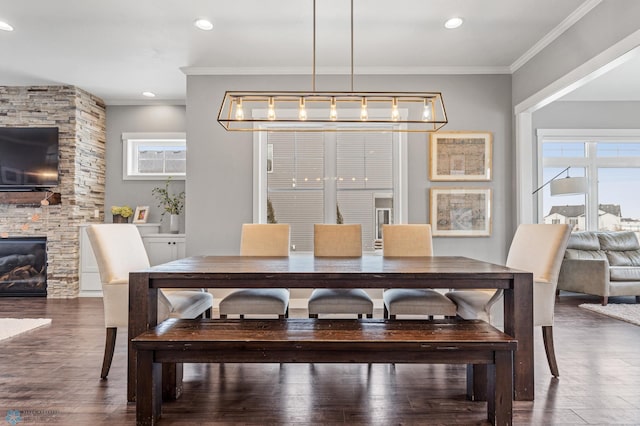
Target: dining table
[(370, 271)]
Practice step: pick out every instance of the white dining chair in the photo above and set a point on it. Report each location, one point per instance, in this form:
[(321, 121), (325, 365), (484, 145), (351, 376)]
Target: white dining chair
[(536, 248), (265, 239), (119, 249)]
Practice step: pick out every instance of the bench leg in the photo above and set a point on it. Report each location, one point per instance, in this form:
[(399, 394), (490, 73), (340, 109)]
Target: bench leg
[(500, 389), (171, 381), (477, 382), (148, 389)]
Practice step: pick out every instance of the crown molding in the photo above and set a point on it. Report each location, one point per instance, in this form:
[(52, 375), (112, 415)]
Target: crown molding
[(144, 102), (345, 70), (552, 35)]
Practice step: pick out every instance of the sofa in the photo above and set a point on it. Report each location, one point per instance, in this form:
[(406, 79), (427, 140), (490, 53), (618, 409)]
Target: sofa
[(602, 264)]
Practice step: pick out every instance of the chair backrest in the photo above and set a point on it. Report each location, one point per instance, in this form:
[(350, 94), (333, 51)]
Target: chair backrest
[(407, 240), (331, 240), (539, 248), (118, 249), (264, 239)]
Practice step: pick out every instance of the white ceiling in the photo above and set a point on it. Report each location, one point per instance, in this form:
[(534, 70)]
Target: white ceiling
[(117, 49)]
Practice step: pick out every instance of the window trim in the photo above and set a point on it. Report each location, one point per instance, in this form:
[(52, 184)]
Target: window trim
[(132, 140), (590, 161)]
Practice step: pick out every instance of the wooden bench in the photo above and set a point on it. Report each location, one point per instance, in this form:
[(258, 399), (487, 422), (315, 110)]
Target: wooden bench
[(325, 340)]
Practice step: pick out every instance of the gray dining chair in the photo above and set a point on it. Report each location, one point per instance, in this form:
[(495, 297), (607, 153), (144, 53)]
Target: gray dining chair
[(344, 240), (260, 240), (536, 248), (119, 250), (412, 240)]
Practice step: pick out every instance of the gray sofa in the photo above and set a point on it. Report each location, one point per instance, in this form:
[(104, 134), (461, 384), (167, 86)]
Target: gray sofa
[(602, 264)]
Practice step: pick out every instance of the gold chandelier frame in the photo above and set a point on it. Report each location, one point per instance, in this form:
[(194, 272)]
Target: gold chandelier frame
[(316, 111)]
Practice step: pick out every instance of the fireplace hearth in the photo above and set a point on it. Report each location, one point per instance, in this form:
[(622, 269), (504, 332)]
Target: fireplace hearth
[(23, 266)]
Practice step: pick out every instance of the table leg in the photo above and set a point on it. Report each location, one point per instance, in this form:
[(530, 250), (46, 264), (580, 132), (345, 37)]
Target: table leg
[(143, 313), (518, 322)]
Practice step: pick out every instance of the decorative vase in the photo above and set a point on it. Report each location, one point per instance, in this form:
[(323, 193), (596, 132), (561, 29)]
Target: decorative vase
[(174, 223), (118, 218)]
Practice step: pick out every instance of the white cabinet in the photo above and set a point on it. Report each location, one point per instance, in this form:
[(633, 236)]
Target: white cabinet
[(161, 248)]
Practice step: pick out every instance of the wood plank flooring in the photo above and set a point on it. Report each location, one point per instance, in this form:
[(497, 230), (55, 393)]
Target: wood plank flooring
[(51, 376)]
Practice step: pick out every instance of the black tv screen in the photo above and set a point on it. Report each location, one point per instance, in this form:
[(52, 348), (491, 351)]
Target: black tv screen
[(28, 157)]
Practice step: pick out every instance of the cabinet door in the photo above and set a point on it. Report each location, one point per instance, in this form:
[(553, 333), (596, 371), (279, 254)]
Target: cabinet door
[(164, 249)]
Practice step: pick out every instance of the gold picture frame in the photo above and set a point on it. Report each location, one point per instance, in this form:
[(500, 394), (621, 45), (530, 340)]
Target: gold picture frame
[(460, 156), (460, 212)]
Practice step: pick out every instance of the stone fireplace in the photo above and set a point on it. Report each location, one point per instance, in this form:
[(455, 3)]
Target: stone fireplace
[(23, 266), (81, 120)]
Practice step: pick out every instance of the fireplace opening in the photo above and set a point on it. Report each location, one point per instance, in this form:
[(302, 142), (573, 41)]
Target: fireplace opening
[(23, 266)]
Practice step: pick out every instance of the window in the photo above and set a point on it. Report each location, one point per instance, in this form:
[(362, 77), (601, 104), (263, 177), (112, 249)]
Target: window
[(333, 177), (151, 156), (610, 161)]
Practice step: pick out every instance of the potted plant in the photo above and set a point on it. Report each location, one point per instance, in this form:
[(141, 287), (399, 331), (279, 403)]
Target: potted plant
[(170, 203), (121, 214)]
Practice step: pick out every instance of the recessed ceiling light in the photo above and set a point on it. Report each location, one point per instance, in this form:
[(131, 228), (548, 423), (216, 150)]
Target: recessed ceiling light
[(453, 23), (149, 94), (203, 24), (5, 27)]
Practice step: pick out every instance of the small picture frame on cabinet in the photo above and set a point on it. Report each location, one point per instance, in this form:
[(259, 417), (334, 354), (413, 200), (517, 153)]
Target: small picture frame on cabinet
[(141, 214)]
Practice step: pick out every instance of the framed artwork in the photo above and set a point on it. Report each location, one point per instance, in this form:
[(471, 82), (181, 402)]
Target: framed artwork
[(460, 212), (460, 156), (141, 214)]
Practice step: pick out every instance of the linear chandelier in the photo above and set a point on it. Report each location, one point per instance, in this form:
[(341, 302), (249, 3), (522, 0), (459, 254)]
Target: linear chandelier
[(347, 111)]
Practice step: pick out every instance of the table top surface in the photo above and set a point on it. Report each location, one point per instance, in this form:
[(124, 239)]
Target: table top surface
[(302, 267)]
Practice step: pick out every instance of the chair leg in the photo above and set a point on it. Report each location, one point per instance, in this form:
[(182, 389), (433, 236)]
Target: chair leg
[(547, 336), (386, 312), (637, 299), (369, 315), (286, 312), (208, 313), (605, 300), (313, 316), (109, 347)]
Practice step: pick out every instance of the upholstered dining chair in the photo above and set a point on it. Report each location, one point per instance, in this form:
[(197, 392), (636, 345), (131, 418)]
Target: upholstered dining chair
[(344, 240), (119, 249), (260, 240), (536, 248), (412, 240)]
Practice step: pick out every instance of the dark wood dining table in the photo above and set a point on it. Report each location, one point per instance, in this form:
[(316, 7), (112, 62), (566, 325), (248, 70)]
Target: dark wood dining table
[(368, 271)]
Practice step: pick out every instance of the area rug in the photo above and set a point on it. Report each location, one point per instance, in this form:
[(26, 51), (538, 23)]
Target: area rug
[(10, 327), (622, 311)]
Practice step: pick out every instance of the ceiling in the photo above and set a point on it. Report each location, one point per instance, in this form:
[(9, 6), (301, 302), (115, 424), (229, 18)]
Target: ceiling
[(117, 49)]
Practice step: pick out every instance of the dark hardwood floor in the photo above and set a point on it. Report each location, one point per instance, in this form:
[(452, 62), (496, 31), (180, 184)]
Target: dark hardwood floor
[(51, 375)]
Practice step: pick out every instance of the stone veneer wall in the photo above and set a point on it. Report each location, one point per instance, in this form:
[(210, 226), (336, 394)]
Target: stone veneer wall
[(81, 119)]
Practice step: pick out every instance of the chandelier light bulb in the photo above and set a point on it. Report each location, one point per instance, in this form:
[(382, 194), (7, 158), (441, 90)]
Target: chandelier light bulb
[(239, 110), (364, 114), (426, 113), (395, 114), (302, 112), (271, 112), (333, 111)]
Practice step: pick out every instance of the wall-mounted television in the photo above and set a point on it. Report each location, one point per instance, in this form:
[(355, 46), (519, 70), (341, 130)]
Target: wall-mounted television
[(28, 158)]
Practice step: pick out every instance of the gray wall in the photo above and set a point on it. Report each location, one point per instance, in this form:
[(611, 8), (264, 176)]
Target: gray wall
[(220, 163), (587, 115), (124, 119)]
